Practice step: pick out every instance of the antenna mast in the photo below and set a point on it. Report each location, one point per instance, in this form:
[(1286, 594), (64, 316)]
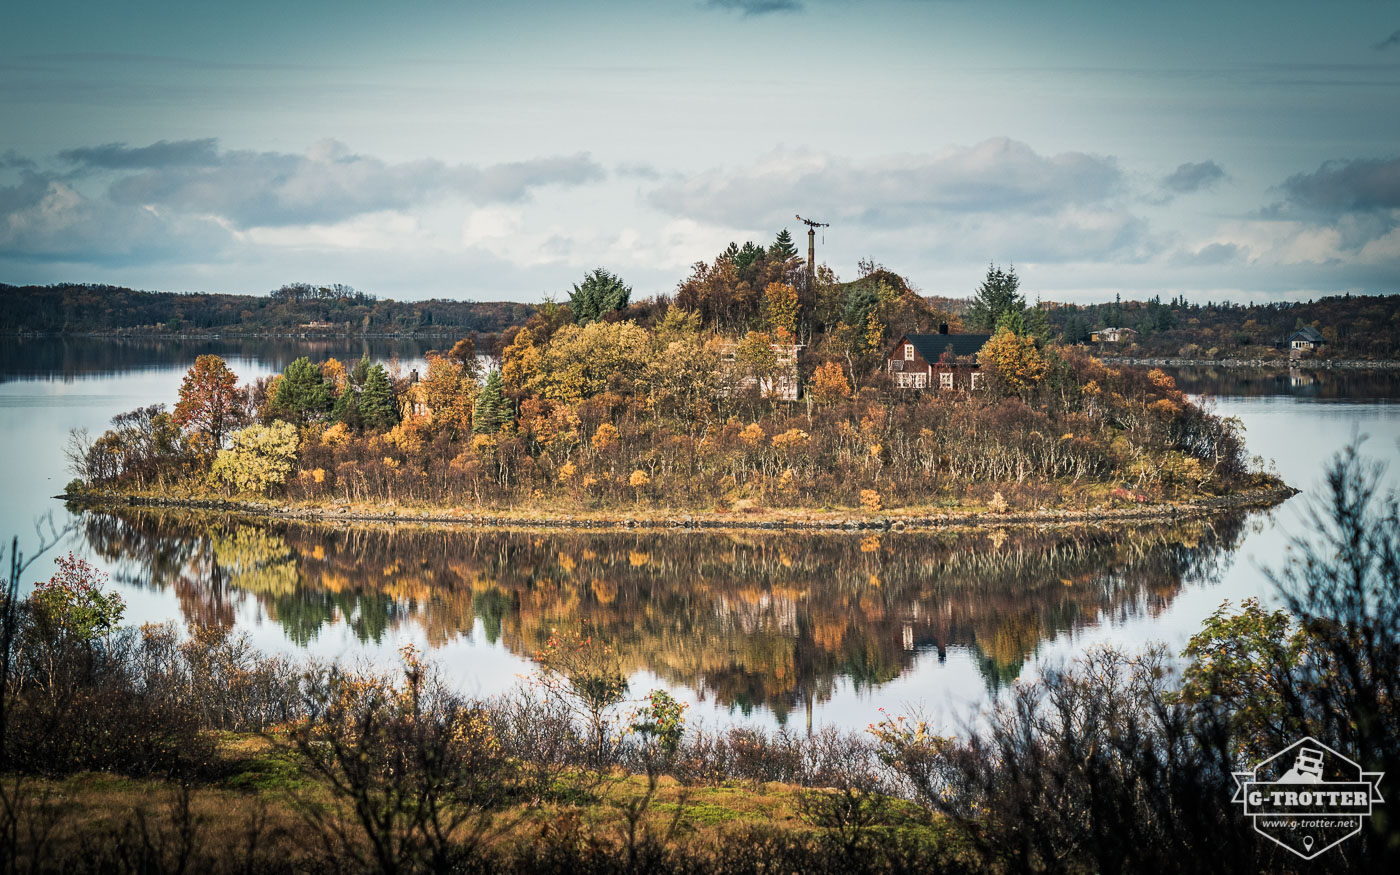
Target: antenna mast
[(812, 248)]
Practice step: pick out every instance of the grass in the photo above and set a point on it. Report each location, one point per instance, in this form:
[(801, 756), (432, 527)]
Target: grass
[(253, 806)]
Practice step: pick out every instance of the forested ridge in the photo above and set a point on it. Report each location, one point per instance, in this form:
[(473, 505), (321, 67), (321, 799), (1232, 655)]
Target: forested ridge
[(293, 308)]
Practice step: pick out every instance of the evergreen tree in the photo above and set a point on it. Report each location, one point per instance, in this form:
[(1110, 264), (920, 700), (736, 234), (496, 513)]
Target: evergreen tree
[(731, 253), (783, 248), (492, 410), (303, 395), (347, 408), (377, 408), (998, 295), (750, 253), (599, 294)]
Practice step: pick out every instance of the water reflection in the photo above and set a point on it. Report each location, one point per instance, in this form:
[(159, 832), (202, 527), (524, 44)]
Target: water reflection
[(66, 358), (1322, 384), (772, 620)]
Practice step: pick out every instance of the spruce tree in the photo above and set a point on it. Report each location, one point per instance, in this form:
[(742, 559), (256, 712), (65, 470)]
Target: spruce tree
[(599, 294), (377, 408), (783, 248), (347, 408), (492, 410), (996, 297), (303, 395)]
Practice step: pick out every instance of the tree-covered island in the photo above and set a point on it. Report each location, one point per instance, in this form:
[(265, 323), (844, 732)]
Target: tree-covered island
[(760, 388)]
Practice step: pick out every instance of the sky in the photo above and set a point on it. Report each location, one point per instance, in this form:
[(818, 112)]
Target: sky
[(1230, 150)]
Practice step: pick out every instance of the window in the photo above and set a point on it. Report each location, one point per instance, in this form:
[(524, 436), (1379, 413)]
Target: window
[(908, 352), (945, 380), (976, 380)]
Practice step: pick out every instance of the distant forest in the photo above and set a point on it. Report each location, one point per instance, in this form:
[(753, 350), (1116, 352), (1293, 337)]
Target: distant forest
[(294, 308), (1354, 326)]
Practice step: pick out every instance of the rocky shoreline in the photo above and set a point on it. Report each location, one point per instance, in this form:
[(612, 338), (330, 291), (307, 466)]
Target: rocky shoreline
[(1311, 364), (816, 521)]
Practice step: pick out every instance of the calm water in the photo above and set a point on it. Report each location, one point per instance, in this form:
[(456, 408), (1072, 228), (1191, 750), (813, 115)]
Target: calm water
[(748, 628)]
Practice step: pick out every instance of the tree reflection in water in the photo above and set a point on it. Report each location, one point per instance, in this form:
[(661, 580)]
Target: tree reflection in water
[(750, 619)]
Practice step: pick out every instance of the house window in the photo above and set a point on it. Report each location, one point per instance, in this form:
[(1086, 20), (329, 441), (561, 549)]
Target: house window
[(945, 380), (976, 380), (908, 352)]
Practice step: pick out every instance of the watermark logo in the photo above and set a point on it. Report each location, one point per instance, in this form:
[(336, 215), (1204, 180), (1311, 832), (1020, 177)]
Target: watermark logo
[(1307, 797)]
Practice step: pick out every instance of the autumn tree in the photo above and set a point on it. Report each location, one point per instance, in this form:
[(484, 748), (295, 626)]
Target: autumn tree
[(260, 459), (600, 293), (449, 392), (780, 310), (829, 384), (210, 402), (998, 297), (582, 361), (1012, 362), (302, 394)]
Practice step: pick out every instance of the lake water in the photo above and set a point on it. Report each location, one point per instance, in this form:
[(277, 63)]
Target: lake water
[(749, 628)]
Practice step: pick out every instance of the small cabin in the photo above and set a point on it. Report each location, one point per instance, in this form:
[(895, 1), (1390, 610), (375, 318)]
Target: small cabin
[(1305, 339), (1114, 335), (942, 360)]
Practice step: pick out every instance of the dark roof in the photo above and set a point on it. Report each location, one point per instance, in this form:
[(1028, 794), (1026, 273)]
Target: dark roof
[(932, 346), (1308, 333)]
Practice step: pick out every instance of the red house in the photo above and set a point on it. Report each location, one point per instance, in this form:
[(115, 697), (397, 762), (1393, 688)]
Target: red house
[(942, 360)]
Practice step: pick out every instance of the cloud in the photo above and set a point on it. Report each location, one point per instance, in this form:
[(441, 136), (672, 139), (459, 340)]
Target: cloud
[(116, 156), (751, 8), (1360, 185), (1190, 178), (326, 184), (1389, 42), (996, 176), (191, 199), (12, 160), (1210, 255)]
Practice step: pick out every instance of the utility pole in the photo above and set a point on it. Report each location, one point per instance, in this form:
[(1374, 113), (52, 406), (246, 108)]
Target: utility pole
[(812, 249)]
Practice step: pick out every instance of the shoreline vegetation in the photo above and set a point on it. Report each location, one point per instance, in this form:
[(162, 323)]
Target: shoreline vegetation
[(758, 391), (797, 519), (156, 750)]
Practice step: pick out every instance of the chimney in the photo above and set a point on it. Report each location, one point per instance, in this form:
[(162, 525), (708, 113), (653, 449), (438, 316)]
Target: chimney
[(943, 328)]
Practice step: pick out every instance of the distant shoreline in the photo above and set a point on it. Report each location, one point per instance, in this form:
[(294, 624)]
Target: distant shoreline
[(239, 335), (1319, 364), (672, 519)]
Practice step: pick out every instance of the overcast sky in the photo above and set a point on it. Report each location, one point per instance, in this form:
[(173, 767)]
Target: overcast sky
[(444, 148)]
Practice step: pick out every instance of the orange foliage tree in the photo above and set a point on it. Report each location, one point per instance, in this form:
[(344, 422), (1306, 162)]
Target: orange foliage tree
[(210, 404)]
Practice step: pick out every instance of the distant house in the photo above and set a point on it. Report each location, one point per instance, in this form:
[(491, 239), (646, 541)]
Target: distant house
[(782, 385), (947, 361), (1114, 335), (1305, 339)]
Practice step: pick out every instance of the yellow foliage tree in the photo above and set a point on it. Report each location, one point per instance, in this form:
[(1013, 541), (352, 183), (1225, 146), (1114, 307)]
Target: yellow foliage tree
[(449, 392), (780, 310), (829, 384), (261, 458), (581, 361), (1012, 362)]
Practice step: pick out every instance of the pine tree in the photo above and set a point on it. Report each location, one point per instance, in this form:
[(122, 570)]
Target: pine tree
[(750, 253), (997, 296), (599, 294), (377, 401), (782, 248), (493, 410), (303, 394), (347, 408)]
